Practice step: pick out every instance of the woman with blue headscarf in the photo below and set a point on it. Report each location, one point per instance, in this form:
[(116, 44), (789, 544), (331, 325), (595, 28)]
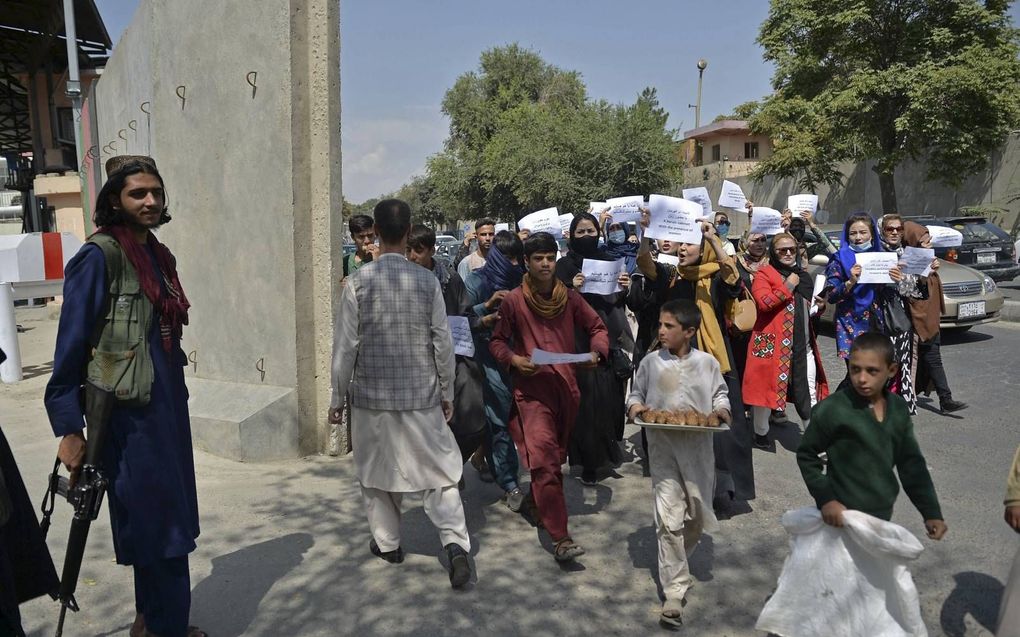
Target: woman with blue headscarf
[(858, 305), (622, 241)]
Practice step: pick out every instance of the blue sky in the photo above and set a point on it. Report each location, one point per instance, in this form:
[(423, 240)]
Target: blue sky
[(398, 58)]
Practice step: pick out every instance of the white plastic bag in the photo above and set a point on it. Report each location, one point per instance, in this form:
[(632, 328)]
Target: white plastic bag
[(849, 582)]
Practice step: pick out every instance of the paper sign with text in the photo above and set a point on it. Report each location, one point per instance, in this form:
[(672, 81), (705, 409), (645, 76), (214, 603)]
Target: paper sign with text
[(802, 203), (674, 219), (601, 277), (700, 196), (547, 220), (502, 226), (943, 237), (767, 221), (732, 196), (542, 357), (460, 329), (875, 266), (565, 221), (917, 260)]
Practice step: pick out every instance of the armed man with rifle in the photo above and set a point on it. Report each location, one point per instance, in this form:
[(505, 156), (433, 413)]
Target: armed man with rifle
[(119, 368)]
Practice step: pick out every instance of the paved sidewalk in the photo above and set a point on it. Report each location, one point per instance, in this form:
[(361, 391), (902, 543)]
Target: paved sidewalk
[(284, 546)]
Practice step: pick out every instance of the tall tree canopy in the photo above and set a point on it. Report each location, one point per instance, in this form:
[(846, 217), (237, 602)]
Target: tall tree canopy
[(888, 80), (524, 135)]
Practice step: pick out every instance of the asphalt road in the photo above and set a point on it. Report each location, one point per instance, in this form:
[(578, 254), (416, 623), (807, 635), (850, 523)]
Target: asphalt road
[(284, 551), (1011, 289)]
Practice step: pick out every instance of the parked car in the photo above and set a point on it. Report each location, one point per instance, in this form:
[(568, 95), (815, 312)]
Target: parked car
[(986, 246), (971, 297)]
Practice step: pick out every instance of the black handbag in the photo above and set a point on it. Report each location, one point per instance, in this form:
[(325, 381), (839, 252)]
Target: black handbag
[(623, 369), (895, 313)]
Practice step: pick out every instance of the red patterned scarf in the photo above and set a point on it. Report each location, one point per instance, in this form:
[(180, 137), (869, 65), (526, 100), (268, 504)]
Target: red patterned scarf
[(172, 306)]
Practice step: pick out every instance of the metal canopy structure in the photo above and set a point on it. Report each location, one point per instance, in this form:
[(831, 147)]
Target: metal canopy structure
[(32, 41)]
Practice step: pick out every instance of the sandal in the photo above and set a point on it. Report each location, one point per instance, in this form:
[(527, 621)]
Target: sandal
[(672, 614), (567, 551)]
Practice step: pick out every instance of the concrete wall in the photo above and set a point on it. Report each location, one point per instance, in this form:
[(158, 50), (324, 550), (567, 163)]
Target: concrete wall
[(996, 188), (253, 184)]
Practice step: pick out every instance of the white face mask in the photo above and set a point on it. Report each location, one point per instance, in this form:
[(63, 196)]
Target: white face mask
[(863, 247), (616, 236)]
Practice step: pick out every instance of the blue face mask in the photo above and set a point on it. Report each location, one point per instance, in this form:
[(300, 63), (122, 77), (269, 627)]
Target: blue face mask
[(723, 229), (864, 247), (616, 236)]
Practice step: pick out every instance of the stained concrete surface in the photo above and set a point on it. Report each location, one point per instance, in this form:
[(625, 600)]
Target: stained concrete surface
[(284, 551)]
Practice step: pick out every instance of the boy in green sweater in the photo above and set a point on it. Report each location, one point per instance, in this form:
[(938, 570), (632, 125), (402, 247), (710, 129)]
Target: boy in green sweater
[(865, 431)]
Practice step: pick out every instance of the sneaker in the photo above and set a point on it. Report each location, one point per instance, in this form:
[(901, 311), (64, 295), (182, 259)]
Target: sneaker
[(762, 442), (395, 556), (460, 566), (515, 500), (949, 405)]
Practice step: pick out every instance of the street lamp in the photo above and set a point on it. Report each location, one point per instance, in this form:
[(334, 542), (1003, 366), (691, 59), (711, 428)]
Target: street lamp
[(702, 64)]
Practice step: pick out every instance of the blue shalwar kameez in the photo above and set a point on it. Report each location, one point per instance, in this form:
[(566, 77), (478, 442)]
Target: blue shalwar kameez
[(148, 455)]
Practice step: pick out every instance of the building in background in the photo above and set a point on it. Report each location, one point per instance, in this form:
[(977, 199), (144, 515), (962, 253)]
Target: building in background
[(723, 149)]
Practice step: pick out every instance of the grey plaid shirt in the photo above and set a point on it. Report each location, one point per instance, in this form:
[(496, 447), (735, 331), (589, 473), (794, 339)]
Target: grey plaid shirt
[(393, 338)]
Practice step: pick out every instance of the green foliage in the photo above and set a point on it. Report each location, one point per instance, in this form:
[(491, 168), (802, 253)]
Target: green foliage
[(741, 112), (524, 135), (888, 80)]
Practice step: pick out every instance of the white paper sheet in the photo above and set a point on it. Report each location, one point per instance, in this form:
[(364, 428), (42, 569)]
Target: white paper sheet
[(601, 277), (875, 266), (767, 221), (565, 221), (802, 203), (943, 237), (668, 259), (460, 329), (700, 196), (816, 290), (674, 219), (502, 226), (542, 357), (732, 196), (596, 207), (917, 260), (625, 209), (547, 220)]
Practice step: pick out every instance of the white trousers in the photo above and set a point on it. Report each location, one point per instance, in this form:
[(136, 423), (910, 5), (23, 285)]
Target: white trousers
[(761, 414), (442, 505)]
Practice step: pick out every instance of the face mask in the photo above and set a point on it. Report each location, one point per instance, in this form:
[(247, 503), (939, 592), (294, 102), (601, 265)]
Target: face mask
[(864, 247), (584, 245), (617, 236), (723, 229)]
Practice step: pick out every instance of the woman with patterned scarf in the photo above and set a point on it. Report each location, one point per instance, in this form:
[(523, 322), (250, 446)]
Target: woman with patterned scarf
[(784, 362), (601, 417), (709, 277)]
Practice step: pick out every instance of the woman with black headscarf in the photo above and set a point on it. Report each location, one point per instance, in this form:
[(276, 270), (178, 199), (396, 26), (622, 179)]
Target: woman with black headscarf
[(601, 416), (783, 362)]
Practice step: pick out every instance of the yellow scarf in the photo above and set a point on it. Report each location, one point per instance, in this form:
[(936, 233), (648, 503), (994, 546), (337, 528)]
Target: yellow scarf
[(546, 308), (710, 336)]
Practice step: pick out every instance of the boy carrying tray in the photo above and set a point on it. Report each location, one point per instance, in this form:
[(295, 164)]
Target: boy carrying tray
[(681, 463)]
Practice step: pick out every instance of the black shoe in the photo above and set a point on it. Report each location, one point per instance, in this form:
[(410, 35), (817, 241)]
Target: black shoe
[(949, 405), (395, 556), (515, 500), (460, 566), (778, 417), (762, 442)]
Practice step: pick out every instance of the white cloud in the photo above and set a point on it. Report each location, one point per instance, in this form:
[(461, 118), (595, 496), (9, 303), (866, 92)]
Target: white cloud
[(381, 154)]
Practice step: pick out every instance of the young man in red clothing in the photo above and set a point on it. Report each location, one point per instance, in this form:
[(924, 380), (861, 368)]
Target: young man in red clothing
[(542, 314)]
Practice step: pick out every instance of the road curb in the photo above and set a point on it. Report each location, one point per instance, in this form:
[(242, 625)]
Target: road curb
[(1010, 312)]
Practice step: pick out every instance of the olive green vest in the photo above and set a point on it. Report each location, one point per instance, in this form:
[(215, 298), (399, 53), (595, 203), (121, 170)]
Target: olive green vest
[(120, 362)]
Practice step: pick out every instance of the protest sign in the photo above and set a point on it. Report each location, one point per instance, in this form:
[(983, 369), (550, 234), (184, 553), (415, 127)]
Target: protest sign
[(767, 221), (460, 329), (547, 220), (625, 209), (668, 259), (674, 219), (802, 203), (917, 261), (816, 291), (700, 196), (732, 196), (565, 221), (542, 357), (596, 207), (601, 277), (502, 226), (944, 237), (875, 266)]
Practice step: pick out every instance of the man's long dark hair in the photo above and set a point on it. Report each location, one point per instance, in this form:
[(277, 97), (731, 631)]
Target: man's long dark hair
[(105, 214)]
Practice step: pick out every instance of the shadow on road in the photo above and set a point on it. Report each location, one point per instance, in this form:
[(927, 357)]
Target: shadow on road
[(975, 594)]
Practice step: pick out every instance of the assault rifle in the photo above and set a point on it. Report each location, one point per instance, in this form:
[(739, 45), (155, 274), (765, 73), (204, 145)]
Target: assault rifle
[(85, 495)]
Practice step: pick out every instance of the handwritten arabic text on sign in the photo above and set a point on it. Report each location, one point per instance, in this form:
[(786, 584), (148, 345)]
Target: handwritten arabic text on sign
[(547, 220), (802, 203), (601, 277), (766, 221), (732, 196), (875, 266), (674, 219), (700, 196), (460, 329)]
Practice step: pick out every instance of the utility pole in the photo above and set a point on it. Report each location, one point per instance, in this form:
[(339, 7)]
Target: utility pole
[(702, 64), (73, 90)]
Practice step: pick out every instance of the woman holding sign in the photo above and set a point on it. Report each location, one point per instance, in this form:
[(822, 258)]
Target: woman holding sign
[(600, 419), (706, 275), (784, 364)]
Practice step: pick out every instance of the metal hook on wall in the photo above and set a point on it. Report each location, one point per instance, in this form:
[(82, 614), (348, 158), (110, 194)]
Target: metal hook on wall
[(113, 146), (121, 134), (143, 106), (181, 92), (133, 125), (193, 359), (260, 365), (251, 78)]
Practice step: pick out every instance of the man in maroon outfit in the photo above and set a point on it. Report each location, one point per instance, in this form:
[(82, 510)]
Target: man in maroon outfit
[(543, 314)]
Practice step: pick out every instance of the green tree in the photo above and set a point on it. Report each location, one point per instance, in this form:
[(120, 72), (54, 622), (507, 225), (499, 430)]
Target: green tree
[(888, 80), (524, 135)]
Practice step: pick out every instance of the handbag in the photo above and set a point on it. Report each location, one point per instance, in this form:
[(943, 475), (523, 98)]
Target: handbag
[(741, 312), (623, 369), (897, 321)]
